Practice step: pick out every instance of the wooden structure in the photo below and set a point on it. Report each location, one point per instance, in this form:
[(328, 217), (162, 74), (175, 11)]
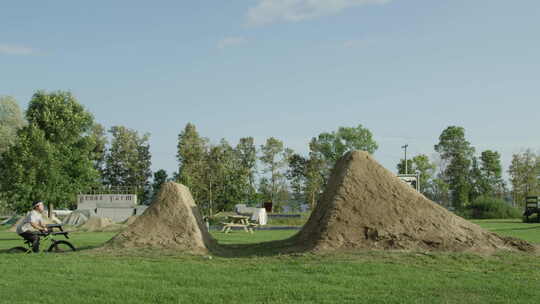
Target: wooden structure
[(532, 206), (238, 221)]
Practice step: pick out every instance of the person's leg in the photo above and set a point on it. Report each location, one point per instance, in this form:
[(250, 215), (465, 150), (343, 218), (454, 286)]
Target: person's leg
[(33, 238), (35, 243)]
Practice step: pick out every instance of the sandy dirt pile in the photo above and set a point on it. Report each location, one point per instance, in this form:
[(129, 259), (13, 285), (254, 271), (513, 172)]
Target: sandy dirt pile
[(366, 206), (14, 227), (130, 220), (96, 223), (172, 221), (77, 218)]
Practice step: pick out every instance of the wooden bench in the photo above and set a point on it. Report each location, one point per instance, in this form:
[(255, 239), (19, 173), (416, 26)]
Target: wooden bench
[(228, 226)]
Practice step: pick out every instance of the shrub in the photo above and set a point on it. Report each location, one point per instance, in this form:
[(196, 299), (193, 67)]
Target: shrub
[(532, 219), (485, 207)]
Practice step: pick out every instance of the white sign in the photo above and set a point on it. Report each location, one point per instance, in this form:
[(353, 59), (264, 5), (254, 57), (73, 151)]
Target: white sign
[(411, 179), (92, 201)]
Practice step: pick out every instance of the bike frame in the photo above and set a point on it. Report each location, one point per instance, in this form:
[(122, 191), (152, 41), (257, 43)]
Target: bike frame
[(47, 240)]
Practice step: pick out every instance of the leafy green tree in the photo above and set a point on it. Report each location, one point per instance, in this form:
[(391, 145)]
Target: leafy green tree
[(52, 157), (457, 153), (128, 161), (11, 120), (275, 157), (329, 147), (192, 151), (524, 172)]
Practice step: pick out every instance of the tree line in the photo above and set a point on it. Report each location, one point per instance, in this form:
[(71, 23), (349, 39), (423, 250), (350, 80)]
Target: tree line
[(56, 150), (460, 178)]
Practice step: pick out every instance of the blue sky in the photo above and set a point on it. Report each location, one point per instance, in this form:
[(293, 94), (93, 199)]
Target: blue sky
[(405, 69)]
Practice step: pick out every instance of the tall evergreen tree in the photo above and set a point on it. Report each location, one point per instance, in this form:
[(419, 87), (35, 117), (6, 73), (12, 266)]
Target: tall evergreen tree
[(228, 184), (457, 153), (315, 180), (128, 161), (99, 140), (524, 176), (192, 151), (275, 157), (296, 174), (491, 169), (247, 154)]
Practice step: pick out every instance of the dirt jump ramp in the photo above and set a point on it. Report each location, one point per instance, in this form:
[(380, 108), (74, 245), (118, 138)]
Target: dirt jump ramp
[(172, 221), (365, 206)]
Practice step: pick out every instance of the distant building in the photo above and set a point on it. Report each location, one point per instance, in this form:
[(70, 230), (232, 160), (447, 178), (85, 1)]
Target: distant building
[(117, 207)]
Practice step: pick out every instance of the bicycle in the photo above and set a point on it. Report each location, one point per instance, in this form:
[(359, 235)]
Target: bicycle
[(57, 246)]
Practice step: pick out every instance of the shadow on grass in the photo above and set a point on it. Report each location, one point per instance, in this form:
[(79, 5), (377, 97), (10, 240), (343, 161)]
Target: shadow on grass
[(509, 221), (511, 229), (77, 249), (287, 246)]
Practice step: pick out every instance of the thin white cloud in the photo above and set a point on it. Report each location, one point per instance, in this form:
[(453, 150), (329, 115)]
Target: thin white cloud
[(270, 11), (231, 41), (10, 49)]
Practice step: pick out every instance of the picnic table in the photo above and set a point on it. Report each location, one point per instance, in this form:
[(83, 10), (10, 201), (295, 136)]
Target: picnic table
[(239, 221)]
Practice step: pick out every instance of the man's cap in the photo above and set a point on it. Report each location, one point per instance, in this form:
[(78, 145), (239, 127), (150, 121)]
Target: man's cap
[(34, 205)]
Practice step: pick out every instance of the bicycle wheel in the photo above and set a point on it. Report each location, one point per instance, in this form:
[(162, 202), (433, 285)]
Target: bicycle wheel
[(18, 250), (61, 246)]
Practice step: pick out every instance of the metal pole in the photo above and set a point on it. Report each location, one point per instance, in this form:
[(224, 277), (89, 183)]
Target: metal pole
[(405, 147)]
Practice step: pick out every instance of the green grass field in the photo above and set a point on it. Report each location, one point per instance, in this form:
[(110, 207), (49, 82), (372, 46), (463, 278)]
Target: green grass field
[(360, 277)]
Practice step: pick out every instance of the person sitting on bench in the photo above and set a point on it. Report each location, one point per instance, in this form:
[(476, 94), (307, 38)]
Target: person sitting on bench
[(32, 224)]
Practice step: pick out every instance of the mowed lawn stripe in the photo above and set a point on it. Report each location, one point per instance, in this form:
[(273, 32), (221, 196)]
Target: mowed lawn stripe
[(354, 277)]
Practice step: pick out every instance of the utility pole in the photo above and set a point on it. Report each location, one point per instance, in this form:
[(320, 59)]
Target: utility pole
[(405, 147)]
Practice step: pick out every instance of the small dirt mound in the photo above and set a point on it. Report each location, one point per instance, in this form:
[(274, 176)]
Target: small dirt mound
[(366, 206), (172, 221), (96, 223), (77, 218), (130, 220), (10, 221), (14, 227)]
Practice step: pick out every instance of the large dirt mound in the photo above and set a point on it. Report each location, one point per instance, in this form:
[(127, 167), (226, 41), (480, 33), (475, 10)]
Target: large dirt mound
[(172, 221), (366, 206)]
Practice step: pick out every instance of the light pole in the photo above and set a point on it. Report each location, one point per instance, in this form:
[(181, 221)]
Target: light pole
[(405, 147)]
